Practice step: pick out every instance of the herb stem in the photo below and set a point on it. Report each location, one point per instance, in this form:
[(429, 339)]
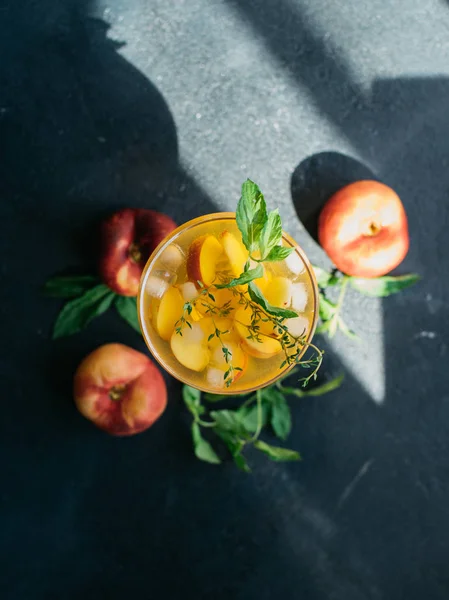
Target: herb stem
[(341, 297), (205, 423), (259, 416)]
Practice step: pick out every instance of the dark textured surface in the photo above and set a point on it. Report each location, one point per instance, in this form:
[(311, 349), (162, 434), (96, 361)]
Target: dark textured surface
[(172, 108)]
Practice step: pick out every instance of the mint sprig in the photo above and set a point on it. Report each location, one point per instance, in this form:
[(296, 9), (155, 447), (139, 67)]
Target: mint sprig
[(330, 311), (240, 428), (77, 313), (87, 299), (261, 230)]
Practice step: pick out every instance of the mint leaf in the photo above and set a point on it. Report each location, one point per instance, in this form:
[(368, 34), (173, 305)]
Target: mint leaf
[(276, 453), (322, 277), (383, 286), (244, 278), (203, 450), (281, 419), (77, 313), (235, 446), (326, 308), (228, 420), (278, 253), (256, 296), (251, 215), (69, 286), (249, 416), (271, 233), (127, 308), (192, 399)]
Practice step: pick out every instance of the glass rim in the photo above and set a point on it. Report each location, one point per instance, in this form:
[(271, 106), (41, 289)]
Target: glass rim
[(169, 239)]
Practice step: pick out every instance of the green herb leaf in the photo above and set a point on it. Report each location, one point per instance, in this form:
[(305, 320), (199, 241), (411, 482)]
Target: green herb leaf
[(383, 286), (228, 420), (271, 233), (322, 276), (69, 286), (278, 253), (249, 416), (251, 215), (203, 450), (256, 296), (127, 308), (244, 278), (77, 313), (281, 419), (326, 307), (276, 453), (192, 399), (235, 446)]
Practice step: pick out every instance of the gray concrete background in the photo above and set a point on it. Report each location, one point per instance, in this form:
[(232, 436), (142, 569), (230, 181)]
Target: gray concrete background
[(171, 105)]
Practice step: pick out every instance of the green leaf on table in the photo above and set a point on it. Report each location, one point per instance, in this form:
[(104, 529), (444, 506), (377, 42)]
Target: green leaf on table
[(69, 286), (251, 215), (326, 308), (228, 420), (383, 286), (271, 233), (127, 308), (278, 253), (276, 453), (77, 313), (235, 446), (203, 450), (281, 418), (249, 416), (322, 277), (256, 296), (192, 399), (244, 278)]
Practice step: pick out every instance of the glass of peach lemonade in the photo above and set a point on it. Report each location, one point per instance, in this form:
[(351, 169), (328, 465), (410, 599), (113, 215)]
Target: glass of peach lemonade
[(221, 310)]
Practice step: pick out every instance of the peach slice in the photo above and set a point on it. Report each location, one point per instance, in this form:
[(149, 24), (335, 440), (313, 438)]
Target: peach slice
[(225, 325), (204, 253), (237, 357), (190, 348), (221, 298), (267, 347), (264, 281), (189, 293), (169, 312), (279, 292), (235, 251)]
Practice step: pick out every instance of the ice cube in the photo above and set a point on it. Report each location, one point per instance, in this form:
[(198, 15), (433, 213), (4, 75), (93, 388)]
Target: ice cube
[(159, 282), (215, 378), (194, 334), (299, 297), (294, 263), (188, 291), (297, 326), (172, 257)]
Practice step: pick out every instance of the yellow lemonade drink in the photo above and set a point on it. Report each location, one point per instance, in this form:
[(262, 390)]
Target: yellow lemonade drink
[(216, 338)]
